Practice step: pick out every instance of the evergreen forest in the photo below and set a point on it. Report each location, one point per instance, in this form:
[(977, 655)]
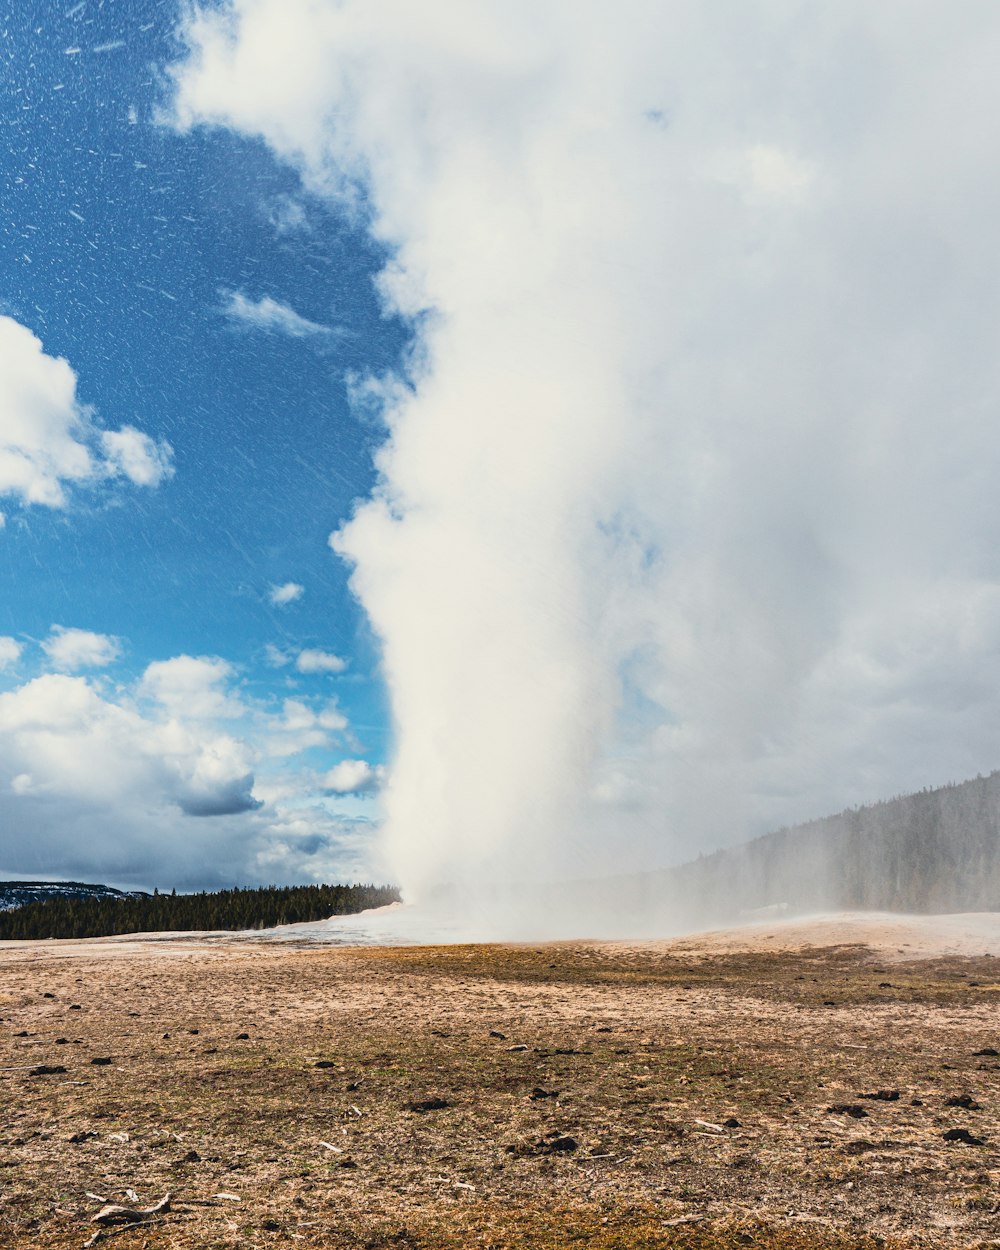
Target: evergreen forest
[(171, 913)]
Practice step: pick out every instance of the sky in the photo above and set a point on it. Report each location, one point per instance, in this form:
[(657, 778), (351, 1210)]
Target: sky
[(441, 439), (180, 330)]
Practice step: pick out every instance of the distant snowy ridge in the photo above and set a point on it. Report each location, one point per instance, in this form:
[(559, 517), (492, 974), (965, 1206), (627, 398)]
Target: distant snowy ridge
[(19, 893)]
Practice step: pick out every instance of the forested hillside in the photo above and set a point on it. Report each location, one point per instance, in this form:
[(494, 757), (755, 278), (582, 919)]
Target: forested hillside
[(74, 917), (936, 851)]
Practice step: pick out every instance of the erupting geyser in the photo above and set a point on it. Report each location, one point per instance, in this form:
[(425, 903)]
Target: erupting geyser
[(685, 524)]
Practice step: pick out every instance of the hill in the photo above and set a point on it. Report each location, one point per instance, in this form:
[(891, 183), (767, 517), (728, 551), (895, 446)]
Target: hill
[(932, 852), (21, 893)]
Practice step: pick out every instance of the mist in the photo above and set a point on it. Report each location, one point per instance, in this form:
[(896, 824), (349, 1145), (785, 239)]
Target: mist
[(685, 522)]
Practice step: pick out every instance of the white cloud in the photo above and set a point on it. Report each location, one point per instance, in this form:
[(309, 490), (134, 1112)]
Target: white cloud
[(287, 215), (10, 652), (726, 510), (312, 660), (269, 315), (136, 456), (71, 649), (192, 687), (103, 782), (302, 727), (61, 738), (276, 657), (287, 593), (354, 777), (48, 439)]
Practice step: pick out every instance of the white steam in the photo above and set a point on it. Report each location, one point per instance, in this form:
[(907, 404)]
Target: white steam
[(688, 524)]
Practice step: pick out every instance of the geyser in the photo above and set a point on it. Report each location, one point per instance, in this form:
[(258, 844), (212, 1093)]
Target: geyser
[(685, 524)]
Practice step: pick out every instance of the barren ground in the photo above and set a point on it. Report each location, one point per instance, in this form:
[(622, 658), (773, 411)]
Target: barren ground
[(683, 1094)]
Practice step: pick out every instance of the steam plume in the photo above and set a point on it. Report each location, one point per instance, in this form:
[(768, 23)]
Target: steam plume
[(687, 524)]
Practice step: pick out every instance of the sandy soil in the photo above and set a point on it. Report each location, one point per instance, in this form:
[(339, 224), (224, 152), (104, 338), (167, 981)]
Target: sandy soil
[(704, 1093)]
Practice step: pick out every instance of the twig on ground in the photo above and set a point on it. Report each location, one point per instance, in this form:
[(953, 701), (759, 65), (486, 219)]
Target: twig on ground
[(103, 1234)]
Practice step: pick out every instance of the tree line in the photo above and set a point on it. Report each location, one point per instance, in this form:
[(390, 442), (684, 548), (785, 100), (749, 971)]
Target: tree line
[(171, 913)]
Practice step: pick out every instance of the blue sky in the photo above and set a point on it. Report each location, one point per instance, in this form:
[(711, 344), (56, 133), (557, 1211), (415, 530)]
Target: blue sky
[(639, 369), (144, 259)]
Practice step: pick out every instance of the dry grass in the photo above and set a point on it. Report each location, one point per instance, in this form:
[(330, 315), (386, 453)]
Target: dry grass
[(649, 1053)]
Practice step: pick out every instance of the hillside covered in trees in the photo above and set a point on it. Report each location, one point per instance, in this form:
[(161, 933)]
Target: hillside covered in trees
[(106, 915), (931, 852)]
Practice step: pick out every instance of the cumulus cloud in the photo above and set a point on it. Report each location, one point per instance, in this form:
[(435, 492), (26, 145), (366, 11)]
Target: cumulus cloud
[(192, 686), (301, 727), (10, 652), (72, 649), (171, 779), (287, 593), (269, 315), (689, 503), (72, 742), (130, 453), (48, 439), (354, 777), (312, 660)]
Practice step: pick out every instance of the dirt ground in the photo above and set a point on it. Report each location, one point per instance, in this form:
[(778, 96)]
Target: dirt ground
[(703, 1095)]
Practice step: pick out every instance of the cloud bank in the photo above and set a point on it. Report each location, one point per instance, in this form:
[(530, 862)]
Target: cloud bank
[(685, 524), (101, 780)]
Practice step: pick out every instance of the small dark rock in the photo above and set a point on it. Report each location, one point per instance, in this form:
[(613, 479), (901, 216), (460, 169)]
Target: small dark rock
[(102, 1062), (562, 1143), (354, 1087), (987, 1052), (965, 1101), (194, 1030), (48, 995), (75, 1007), (497, 1034), (732, 1122), (192, 1156), (166, 1036), (347, 1163), (23, 1033), (243, 1037), (605, 1028), (62, 1041), (916, 1102), (828, 1002), (963, 1135), (886, 985), (270, 1226), (82, 1136), (882, 1095), (47, 1069), (428, 1104), (324, 1063), (537, 1094), (846, 1108)]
